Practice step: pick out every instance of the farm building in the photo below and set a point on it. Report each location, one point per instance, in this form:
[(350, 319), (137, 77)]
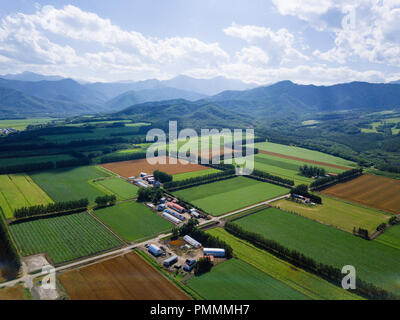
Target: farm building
[(154, 250), (170, 218), (170, 261), (214, 252), (141, 184), (176, 215), (188, 268), (176, 207), (163, 199), (211, 258), (161, 207), (194, 213), (143, 174), (191, 241)]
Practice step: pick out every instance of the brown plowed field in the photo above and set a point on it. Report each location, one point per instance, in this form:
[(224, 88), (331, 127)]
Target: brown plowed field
[(135, 167), (370, 190), (304, 160), (13, 293), (127, 277)]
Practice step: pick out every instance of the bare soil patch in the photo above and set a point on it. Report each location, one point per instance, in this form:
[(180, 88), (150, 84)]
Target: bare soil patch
[(133, 168), (126, 277), (370, 190)]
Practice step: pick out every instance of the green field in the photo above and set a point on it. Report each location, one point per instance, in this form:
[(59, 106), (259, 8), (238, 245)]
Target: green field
[(382, 122), (70, 183), (194, 174), (121, 188), (237, 280), (63, 238), (303, 153), (133, 220), (375, 263), (390, 237), (21, 124), (228, 195), (4, 162), (308, 284), (340, 214), (18, 190)]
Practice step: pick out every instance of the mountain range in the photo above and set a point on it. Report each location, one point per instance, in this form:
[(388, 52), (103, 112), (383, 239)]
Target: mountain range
[(189, 98)]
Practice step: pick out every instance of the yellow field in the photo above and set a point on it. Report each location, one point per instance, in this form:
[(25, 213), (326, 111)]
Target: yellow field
[(18, 190)]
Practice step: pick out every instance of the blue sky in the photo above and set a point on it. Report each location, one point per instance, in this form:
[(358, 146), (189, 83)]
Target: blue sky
[(306, 41)]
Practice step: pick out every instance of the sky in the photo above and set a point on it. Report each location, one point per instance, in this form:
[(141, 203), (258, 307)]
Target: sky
[(256, 41)]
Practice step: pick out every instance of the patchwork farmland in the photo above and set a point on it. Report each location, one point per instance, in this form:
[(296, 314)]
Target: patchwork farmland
[(376, 263), (135, 167), (127, 277), (370, 190), (306, 283), (228, 195), (63, 238), (194, 174), (133, 220), (340, 214), (237, 280), (18, 190)]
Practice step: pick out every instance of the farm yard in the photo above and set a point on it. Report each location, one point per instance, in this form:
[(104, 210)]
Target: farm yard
[(340, 214), (391, 237), (121, 188), (370, 190), (135, 167), (228, 195), (237, 280), (306, 283), (375, 263), (133, 220), (297, 153), (18, 190), (127, 277), (64, 237), (70, 183)]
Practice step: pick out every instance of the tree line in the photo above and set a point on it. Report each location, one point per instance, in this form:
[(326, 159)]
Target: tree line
[(212, 177), (272, 178), (104, 201), (310, 171), (341, 177), (57, 207), (331, 273), (123, 157), (10, 252), (150, 194), (161, 176)]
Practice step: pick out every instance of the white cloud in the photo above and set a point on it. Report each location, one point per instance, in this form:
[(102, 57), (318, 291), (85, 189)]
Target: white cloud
[(248, 33)]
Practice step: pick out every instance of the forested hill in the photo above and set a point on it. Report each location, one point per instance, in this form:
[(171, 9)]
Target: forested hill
[(290, 97)]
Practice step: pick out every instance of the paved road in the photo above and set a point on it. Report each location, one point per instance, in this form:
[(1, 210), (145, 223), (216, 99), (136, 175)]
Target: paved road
[(27, 278)]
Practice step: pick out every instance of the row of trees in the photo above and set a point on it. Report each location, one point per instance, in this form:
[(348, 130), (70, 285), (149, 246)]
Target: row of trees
[(310, 171), (302, 190), (329, 272), (28, 167), (272, 178), (174, 185), (10, 252), (123, 157), (162, 176), (107, 200), (57, 207), (341, 177)]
